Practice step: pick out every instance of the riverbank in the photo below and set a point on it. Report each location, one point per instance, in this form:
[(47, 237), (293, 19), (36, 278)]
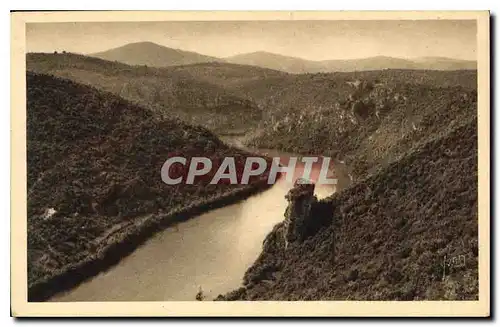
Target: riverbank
[(121, 240), (210, 252), (94, 178), (408, 233)]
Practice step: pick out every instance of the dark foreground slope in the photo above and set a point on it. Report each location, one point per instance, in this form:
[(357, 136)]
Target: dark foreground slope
[(407, 233), (94, 179)]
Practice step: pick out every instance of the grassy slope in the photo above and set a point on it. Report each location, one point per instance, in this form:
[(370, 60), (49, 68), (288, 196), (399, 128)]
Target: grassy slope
[(388, 235), (225, 74), (182, 92), (96, 160)]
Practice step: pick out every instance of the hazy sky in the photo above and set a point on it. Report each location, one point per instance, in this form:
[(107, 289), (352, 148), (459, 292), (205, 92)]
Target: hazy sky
[(314, 40)]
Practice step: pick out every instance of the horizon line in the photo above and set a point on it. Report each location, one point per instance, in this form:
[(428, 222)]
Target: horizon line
[(273, 53)]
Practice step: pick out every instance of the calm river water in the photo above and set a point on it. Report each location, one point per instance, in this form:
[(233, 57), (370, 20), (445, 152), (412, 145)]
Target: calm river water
[(211, 251)]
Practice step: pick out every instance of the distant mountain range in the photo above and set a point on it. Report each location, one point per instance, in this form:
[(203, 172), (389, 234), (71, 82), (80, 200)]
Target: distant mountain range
[(152, 54), (297, 65)]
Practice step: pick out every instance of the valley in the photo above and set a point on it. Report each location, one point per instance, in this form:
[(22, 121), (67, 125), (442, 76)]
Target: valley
[(402, 135)]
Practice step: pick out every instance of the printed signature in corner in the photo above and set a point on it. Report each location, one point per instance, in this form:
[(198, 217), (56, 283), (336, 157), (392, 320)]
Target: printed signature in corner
[(450, 262)]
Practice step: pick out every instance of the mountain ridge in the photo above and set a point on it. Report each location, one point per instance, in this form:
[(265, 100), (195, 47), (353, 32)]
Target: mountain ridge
[(155, 55)]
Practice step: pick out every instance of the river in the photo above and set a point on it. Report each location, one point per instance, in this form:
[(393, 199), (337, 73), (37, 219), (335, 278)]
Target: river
[(210, 252)]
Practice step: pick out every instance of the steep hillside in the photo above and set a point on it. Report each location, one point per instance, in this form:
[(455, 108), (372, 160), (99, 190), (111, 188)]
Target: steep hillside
[(152, 54), (299, 66), (170, 93), (408, 233), (94, 179), (367, 122)]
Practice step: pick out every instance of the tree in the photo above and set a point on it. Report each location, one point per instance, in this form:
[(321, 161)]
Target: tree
[(199, 295)]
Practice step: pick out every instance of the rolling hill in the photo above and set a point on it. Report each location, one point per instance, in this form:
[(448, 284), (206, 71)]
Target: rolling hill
[(298, 65), (99, 131), (191, 93), (442, 63), (152, 54), (275, 61)]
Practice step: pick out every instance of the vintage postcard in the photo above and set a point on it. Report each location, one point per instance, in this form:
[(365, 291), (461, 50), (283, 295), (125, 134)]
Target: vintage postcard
[(250, 163)]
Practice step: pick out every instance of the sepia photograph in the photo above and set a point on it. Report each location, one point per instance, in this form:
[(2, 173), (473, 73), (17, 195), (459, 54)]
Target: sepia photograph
[(213, 163)]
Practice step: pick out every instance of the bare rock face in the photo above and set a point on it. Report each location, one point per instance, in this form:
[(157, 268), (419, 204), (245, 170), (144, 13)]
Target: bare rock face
[(304, 216), (301, 199)]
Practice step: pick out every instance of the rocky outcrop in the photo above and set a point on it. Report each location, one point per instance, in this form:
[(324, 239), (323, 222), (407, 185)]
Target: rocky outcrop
[(407, 233), (301, 199), (304, 216)]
